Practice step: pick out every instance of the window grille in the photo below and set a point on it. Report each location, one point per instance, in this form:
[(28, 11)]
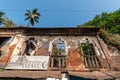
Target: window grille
[(58, 57), (90, 58)]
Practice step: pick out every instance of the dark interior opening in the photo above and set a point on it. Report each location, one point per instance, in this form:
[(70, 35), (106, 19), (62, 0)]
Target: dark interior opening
[(4, 40)]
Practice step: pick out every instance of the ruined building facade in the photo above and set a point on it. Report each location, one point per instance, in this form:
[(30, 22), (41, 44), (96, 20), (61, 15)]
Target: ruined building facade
[(68, 50)]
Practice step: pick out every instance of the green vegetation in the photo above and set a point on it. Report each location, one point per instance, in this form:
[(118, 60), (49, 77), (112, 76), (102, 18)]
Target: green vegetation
[(1, 17), (1, 69), (6, 22), (113, 40), (110, 27), (58, 51), (107, 21), (86, 49), (32, 16)]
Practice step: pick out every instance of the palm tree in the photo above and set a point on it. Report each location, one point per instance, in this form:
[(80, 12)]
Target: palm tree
[(32, 16), (1, 17)]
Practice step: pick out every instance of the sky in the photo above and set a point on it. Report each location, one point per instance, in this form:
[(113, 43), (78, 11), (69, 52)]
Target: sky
[(57, 13)]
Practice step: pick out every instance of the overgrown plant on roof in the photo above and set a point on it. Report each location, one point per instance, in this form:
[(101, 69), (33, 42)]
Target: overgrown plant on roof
[(110, 27), (112, 40)]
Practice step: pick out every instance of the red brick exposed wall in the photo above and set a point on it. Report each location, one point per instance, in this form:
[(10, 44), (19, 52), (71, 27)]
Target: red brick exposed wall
[(74, 61), (4, 59), (42, 51), (115, 62)]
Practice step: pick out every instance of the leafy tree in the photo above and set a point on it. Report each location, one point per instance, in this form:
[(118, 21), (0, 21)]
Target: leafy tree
[(1, 17), (115, 29), (107, 21), (110, 27), (32, 16), (8, 23), (93, 22)]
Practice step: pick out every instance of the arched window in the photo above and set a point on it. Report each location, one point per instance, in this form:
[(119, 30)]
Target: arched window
[(89, 54), (58, 54), (58, 47)]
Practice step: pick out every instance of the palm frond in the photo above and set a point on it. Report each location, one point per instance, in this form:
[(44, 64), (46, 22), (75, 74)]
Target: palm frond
[(36, 17), (38, 14), (32, 21), (27, 18), (35, 10), (36, 20), (26, 14), (28, 11)]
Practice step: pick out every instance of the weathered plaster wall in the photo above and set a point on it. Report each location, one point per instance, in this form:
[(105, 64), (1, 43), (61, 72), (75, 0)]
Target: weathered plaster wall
[(112, 56), (19, 40), (74, 57), (72, 44)]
